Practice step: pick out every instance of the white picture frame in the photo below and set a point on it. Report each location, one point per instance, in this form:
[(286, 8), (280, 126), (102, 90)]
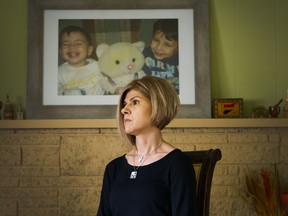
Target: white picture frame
[(51, 32)]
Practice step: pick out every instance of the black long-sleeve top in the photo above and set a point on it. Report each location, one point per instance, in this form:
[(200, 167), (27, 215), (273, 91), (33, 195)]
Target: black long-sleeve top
[(166, 187)]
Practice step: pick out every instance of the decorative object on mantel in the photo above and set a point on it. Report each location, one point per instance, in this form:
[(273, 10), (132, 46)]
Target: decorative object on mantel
[(263, 193), (286, 105), (284, 199), (259, 112), (228, 108), (19, 115), (275, 110), (8, 109)]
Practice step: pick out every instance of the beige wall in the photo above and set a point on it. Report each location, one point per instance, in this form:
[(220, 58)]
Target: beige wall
[(59, 171)]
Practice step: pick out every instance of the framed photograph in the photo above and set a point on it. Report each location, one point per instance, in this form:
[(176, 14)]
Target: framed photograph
[(129, 21), (228, 108), (110, 27)]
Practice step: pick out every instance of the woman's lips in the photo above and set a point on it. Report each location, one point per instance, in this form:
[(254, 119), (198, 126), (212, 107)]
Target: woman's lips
[(127, 121)]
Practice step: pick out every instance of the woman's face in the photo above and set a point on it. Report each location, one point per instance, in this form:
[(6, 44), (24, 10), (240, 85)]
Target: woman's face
[(75, 49), (137, 112), (161, 47)]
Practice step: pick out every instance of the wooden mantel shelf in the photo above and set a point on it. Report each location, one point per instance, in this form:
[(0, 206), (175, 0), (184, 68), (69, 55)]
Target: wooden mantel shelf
[(176, 123)]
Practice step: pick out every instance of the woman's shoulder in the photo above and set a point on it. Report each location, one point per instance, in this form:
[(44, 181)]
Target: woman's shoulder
[(178, 164), (178, 158), (176, 152), (116, 161)]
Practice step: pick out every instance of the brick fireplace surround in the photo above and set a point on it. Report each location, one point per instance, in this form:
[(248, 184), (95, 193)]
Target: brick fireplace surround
[(55, 167)]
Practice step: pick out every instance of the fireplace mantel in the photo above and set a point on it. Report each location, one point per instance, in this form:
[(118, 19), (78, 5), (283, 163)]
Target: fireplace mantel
[(176, 123)]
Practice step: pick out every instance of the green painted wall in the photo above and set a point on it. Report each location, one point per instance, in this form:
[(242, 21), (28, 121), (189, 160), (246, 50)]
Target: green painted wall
[(13, 49), (249, 50)]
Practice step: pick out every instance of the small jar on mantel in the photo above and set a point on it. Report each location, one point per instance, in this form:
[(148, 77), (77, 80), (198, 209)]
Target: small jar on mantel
[(8, 110), (286, 105)]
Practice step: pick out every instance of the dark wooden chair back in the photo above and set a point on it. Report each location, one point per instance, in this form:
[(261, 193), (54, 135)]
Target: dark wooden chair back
[(204, 163)]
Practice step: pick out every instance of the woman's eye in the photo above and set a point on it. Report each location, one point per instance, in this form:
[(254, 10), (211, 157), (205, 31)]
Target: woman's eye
[(135, 102)]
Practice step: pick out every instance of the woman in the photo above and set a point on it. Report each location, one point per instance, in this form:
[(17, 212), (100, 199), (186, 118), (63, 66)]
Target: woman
[(154, 178)]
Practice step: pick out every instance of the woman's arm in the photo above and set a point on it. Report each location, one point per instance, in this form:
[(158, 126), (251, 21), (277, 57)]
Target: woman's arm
[(104, 207), (183, 188)]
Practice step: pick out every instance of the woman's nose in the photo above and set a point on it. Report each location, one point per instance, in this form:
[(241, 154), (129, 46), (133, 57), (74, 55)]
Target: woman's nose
[(125, 110)]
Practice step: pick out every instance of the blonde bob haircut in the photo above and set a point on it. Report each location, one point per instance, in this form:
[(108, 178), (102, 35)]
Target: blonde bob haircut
[(164, 102)]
